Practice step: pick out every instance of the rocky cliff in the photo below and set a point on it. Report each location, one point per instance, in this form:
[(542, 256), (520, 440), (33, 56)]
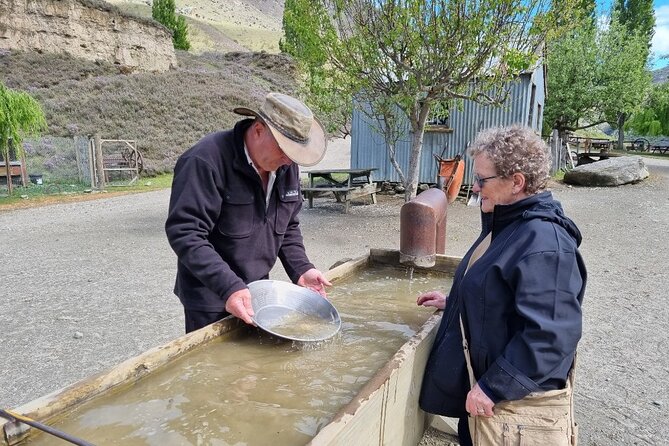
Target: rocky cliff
[(89, 29)]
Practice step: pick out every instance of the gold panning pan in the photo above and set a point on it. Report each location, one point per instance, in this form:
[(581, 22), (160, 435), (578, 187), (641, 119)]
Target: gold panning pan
[(293, 312)]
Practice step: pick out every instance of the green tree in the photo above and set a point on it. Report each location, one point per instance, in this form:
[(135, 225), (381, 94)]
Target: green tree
[(638, 17), (624, 78), (653, 119), (595, 75), (20, 115), (401, 58), (572, 67), (164, 11), (306, 38)]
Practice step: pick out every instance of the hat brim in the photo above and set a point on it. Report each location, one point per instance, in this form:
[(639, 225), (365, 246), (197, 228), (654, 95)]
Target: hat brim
[(305, 155)]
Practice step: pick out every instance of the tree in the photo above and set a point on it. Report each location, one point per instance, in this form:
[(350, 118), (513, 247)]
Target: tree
[(595, 75), (164, 11), (306, 38), (624, 78), (401, 58), (20, 115), (638, 18), (572, 67), (653, 119)]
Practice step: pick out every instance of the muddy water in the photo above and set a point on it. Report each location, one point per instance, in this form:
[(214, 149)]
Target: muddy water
[(254, 389), (293, 324)]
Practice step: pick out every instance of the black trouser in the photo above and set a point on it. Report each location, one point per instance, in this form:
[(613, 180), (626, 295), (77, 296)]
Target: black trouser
[(463, 431), (199, 319)]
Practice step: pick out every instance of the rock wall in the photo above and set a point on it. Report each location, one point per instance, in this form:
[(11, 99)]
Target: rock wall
[(88, 29)]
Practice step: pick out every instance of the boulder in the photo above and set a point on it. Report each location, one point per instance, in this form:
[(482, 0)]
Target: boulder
[(609, 172)]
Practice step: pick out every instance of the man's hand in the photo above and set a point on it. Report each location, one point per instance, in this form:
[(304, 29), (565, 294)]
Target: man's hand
[(239, 305), (314, 280), (432, 299)]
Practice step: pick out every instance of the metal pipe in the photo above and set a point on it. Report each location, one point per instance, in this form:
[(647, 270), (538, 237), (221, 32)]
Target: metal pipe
[(14, 417), (423, 228)]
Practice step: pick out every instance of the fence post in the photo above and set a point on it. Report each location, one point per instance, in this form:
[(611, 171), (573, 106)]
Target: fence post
[(99, 166), (555, 150)]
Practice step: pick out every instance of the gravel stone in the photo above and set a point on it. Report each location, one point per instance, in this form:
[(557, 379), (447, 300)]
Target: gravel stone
[(104, 266)]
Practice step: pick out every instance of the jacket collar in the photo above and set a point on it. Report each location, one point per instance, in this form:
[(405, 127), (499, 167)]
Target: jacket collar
[(505, 214)]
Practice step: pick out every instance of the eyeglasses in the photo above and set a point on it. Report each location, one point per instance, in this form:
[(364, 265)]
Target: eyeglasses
[(481, 181)]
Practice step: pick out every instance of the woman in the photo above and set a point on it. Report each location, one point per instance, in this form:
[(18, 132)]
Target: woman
[(518, 290)]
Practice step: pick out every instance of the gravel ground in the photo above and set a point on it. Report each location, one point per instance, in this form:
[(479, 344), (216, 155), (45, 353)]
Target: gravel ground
[(89, 284)]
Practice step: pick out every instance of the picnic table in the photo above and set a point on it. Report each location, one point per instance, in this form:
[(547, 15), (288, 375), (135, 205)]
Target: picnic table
[(660, 146), (590, 144), (345, 184)]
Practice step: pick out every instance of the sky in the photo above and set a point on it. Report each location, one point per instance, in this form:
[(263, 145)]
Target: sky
[(661, 37), (660, 44)]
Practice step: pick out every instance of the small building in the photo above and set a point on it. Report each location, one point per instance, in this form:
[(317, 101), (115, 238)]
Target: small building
[(524, 105)]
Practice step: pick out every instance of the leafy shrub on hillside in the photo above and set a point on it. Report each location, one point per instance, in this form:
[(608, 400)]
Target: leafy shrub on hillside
[(164, 11)]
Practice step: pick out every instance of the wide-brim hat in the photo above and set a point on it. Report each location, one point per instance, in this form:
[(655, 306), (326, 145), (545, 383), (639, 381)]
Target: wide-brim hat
[(299, 134)]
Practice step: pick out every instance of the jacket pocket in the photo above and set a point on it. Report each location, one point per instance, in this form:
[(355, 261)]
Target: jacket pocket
[(237, 214), (494, 432), (288, 199)]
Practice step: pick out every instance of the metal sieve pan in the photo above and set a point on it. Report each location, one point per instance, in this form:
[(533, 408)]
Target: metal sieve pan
[(293, 312)]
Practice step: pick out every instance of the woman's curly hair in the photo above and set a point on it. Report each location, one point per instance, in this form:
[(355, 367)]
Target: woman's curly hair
[(515, 149)]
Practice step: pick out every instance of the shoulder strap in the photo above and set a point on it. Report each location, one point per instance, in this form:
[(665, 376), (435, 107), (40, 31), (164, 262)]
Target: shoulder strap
[(478, 252), (468, 359)]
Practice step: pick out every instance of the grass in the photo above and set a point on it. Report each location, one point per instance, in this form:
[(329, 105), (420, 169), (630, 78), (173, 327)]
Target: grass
[(53, 192)]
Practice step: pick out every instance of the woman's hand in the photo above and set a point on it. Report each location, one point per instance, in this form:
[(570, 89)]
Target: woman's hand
[(314, 280), (432, 299), (478, 404)]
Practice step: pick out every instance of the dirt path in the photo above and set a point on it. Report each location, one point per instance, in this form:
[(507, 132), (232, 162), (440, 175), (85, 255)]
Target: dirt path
[(86, 285)]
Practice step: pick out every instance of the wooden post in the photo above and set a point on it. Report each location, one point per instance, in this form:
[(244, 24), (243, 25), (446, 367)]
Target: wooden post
[(555, 149), (91, 161), (99, 165), (78, 158), (8, 169)]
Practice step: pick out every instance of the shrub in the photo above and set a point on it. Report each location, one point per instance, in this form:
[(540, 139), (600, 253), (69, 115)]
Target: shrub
[(164, 11)]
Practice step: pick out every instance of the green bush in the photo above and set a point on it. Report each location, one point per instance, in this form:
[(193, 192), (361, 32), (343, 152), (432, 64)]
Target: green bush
[(164, 11)]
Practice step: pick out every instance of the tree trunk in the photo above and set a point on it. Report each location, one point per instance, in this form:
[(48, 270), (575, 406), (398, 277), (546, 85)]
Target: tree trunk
[(621, 131), (418, 132), (8, 171)]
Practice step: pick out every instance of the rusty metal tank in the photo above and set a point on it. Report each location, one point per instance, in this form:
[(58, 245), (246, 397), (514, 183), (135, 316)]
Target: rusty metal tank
[(423, 228)]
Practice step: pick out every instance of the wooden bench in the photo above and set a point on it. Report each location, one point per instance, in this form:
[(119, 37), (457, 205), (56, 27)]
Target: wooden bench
[(17, 170)]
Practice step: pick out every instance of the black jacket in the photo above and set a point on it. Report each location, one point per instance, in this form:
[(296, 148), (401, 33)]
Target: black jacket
[(521, 307), (219, 228)]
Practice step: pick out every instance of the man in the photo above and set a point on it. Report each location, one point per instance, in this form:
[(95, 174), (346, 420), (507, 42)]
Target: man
[(233, 209)]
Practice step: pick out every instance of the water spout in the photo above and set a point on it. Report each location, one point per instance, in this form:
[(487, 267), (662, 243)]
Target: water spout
[(423, 229)]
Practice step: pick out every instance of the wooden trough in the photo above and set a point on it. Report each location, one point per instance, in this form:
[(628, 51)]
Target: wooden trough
[(384, 411)]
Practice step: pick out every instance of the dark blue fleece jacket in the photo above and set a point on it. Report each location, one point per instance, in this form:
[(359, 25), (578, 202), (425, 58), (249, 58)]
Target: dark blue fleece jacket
[(219, 226), (521, 307)]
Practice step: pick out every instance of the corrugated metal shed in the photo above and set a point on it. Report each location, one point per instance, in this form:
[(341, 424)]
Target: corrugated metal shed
[(524, 105)]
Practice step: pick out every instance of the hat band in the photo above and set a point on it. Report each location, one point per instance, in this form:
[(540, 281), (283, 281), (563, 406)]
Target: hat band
[(283, 130)]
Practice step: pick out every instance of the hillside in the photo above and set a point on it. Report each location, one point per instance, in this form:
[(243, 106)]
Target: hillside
[(224, 25), (660, 75), (165, 112)]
